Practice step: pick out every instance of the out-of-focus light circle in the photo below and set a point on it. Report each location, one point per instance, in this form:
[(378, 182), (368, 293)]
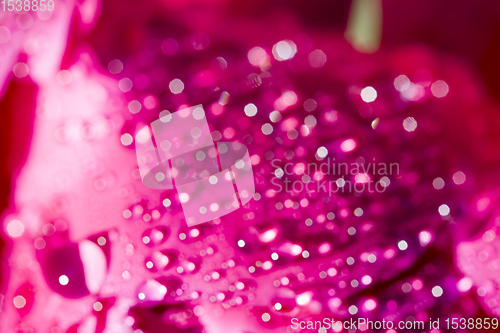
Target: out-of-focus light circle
[(39, 243), (176, 86), (368, 94), (444, 210), (240, 164), (97, 306), (438, 183), (126, 139), (414, 92), (275, 116), (134, 107), (129, 321), (267, 265), (228, 133), (169, 46), (310, 121), (64, 77), (194, 233), (250, 110), (257, 56), (334, 303), (15, 228), (459, 178), (288, 98), (241, 243), (304, 298), (464, 284), (483, 256), (31, 46), (183, 197), (198, 113), (292, 134), (279, 172), (489, 236), (385, 181), (284, 50), (115, 66), (21, 70), (310, 105), (296, 250), (45, 14), (125, 84), (406, 287), (332, 271), (304, 130), (402, 245), (325, 248), (358, 212), (440, 89), (417, 284), (424, 237), (370, 305), (267, 128), (4, 34), (437, 291), (410, 124), (317, 58), (353, 309), (200, 156), (150, 102), (200, 41), (340, 182), (348, 145), (63, 280), (213, 179), (366, 280), (160, 176), (401, 83), (322, 152), (19, 302), (24, 21), (198, 310), (266, 317), (216, 135), (165, 117)]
